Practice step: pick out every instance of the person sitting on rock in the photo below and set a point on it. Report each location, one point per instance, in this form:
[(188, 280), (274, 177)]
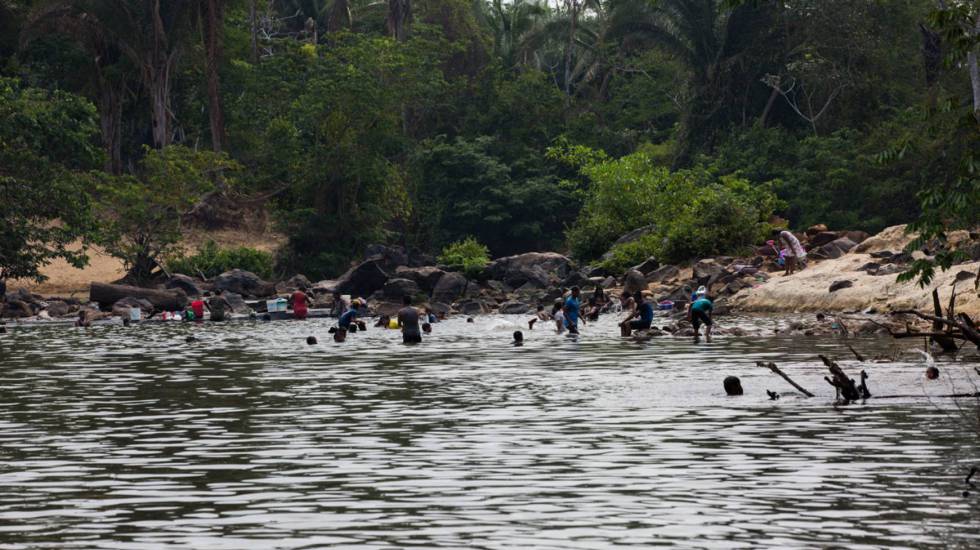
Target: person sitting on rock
[(408, 318), (700, 313), (218, 305), (643, 310)]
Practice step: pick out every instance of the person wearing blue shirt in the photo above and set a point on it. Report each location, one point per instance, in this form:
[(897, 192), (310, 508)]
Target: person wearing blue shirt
[(643, 310), (572, 306), (349, 316), (700, 313)]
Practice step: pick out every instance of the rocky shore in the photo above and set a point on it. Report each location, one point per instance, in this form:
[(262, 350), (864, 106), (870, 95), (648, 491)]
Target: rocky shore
[(849, 272)]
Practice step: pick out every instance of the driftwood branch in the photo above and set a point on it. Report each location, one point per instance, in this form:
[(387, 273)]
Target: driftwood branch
[(845, 386), (772, 366)]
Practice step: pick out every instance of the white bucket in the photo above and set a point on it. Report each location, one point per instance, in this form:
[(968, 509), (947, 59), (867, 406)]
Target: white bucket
[(135, 314)]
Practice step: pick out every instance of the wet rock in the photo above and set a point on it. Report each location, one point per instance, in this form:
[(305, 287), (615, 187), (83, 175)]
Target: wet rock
[(237, 303), (471, 307), (663, 274), (648, 266), (243, 282), (57, 308), (838, 285), (189, 285), (634, 281), (121, 308), (426, 277), (513, 308), (534, 267), (396, 289), (450, 287)]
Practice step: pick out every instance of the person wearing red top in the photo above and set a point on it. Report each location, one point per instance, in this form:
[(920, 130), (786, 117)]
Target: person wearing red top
[(300, 301), (197, 306)]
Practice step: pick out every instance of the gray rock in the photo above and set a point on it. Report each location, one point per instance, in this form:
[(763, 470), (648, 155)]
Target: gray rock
[(577, 278), (243, 282), (294, 283), (648, 266), (856, 236), (363, 279), (634, 281), (471, 307), (425, 277), (635, 234), (663, 274), (398, 288), (237, 303), (57, 308), (834, 249), (539, 267), (189, 285), (707, 272), (513, 308), (121, 307), (823, 238), (838, 285), (450, 287), (608, 282), (965, 276)]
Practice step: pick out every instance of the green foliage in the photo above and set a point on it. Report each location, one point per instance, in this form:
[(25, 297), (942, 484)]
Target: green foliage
[(46, 143), (692, 213), (211, 260), (141, 213), (467, 255)]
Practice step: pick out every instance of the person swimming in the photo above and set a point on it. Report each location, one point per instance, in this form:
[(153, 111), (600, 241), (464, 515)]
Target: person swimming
[(733, 386)]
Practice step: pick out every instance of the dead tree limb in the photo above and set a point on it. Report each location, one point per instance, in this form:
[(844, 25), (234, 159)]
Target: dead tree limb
[(846, 387), (856, 354), (772, 366)]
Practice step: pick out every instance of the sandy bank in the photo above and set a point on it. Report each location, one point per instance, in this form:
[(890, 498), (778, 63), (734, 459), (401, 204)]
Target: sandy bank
[(808, 290)]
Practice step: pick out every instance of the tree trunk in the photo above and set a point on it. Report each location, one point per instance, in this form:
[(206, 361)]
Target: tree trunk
[(399, 16), (573, 22), (339, 17), (213, 30), (768, 109), (971, 61), (156, 74), (110, 122), (167, 300), (253, 20)]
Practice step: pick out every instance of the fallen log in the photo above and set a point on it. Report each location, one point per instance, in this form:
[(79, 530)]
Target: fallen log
[(772, 366), (165, 300)]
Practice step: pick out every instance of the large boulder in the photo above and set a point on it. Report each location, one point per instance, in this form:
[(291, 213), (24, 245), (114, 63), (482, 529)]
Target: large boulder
[(823, 238), (634, 281), (237, 303), (856, 236), (363, 279), (540, 268), (294, 283), (472, 307), (57, 308), (243, 282), (648, 266), (395, 289), (816, 229), (425, 277), (834, 249), (513, 308), (450, 287), (189, 285), (121, 307), (390, 257), (706, 272), (663, 274)]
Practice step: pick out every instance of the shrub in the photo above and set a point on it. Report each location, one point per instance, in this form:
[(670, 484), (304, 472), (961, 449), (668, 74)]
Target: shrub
[(212, 260), (467, 255)]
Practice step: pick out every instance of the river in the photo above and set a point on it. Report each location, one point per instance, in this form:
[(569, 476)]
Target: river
[(132, 437)]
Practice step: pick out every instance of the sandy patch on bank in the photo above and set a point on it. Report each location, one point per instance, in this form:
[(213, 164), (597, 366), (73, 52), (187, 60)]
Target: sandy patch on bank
[(65, 280)]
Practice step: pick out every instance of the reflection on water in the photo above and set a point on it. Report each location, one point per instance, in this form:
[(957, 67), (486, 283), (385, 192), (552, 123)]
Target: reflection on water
[(117, 437)]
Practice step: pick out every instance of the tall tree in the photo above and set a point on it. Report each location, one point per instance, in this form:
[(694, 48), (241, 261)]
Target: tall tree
[(213, 31), (399, 18)]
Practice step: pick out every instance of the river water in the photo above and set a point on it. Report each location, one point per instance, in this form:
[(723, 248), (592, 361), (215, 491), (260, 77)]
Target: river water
[(131, 437)]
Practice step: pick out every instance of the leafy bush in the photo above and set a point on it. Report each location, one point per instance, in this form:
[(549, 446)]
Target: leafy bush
[(694, 213), (212, 260), (467, 255)]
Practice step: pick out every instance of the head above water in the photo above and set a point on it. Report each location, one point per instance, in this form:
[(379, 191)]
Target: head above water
[(932, 373), (426, 328), (518, 336), (340, 335), (311, 340), (576, 291), (733, 386)]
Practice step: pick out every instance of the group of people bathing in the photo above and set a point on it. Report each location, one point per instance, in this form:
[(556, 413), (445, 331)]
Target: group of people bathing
[(410, 320), (566, 312)]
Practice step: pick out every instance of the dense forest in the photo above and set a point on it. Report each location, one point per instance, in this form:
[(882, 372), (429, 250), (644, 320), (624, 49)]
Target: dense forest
[(526, 125)]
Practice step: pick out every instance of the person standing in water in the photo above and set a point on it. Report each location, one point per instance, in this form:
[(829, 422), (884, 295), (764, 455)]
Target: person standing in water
[(408, 319), (340, 306), (795, 254), (218, 305), (700, 313), (573, 306), (300, 301)]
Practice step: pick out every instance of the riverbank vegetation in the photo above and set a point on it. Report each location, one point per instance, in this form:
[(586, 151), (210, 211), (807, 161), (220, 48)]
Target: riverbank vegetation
[(525, 125)]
